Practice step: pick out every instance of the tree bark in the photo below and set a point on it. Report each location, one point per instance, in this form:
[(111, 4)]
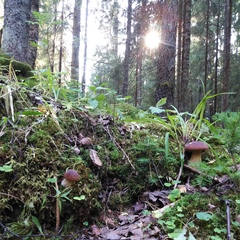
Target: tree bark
[(179, 53), (76, 41), (128, 49), (184, 96), (139, 63), (61, 45), (226, 53), (33, 35), (215, 106), (167, 52), (85, 50), (52, 48), (16, 28), (206, 47)]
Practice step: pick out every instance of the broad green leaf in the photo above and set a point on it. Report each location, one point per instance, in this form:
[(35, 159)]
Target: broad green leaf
[(161, 102), (178, 234), (6, 168), (93, 103), (204, 216), (101, 97), (217, 230), (174, 195), (238, 201), (191, 237), (167, 184), (156, 110), (37, 223)]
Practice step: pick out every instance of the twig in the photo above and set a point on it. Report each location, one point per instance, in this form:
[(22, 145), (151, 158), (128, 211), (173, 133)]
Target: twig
[(228, 220), (179, 175), (57, 209), (119, 147)]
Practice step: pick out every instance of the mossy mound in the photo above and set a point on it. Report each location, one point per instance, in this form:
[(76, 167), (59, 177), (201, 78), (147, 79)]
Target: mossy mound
[(20, 68), (42, 136), (43, 142)]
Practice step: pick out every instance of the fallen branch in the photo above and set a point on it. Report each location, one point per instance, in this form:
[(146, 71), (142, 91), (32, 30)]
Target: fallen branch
[(118, 146), (159, 212)]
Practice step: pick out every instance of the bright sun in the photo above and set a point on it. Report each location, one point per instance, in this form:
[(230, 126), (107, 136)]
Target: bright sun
[(152, 39)]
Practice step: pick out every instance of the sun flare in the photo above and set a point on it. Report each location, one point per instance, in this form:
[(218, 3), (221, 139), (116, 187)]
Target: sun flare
[(152, 39)]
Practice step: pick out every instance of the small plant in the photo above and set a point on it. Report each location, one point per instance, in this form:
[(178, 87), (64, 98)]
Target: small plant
[(60, 196), (6, 168), (229, 132)]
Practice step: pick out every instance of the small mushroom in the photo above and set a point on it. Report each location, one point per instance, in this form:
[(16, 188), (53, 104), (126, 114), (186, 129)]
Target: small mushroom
[(70, 177), (196, 149)]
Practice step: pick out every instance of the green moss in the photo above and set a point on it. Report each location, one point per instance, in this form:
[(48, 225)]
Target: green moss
[(20, 68)]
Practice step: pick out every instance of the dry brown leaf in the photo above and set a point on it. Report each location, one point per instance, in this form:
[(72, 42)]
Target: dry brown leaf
[(95, 231), (182, 188), (95, 159), (86, 141)]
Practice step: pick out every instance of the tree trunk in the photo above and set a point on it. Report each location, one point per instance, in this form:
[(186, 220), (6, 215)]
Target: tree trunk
[(51, 52), (215, 106), (33, 34), (167, 52), (85, 51), (184, 96), (16, 29), (76, 41), (128, 49), (139, 66), (61, 46), (226, 53), (206, 48), (114, 15), (179, 53)]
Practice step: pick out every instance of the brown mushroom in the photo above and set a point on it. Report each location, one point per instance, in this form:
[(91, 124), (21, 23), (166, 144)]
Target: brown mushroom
[(196, 149), (70, 177)]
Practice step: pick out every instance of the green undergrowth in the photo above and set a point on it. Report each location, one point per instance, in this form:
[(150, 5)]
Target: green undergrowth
[(202, 216), (41, 132)]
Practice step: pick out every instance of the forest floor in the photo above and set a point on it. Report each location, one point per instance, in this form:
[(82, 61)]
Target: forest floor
[(140, 221)]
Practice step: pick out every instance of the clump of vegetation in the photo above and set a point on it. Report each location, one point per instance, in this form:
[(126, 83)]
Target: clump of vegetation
[(197, 211), (50, 132)]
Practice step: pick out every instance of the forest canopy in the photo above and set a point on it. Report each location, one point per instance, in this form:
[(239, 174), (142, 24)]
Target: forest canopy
[(103, 42)]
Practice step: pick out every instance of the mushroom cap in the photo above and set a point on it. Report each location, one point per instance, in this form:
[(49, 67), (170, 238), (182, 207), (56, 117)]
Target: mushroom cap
[(196, 146), (72, 175)]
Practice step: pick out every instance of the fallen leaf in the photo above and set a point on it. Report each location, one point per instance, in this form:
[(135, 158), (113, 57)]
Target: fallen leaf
[(182, 188), (86, 141), (95, 159), (112, 236), (95, 231)]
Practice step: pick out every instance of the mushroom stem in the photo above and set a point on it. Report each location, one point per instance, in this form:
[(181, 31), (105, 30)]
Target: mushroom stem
[(66, 183), (196, 156)]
